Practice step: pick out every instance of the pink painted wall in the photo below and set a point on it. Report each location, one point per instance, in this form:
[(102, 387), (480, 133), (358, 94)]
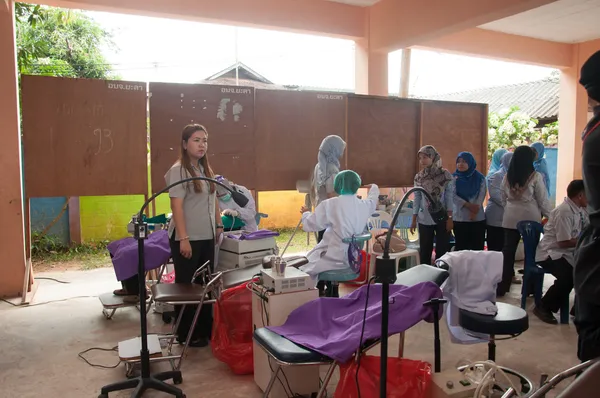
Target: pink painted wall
[(573, 116), (12, 234), (307, 16)]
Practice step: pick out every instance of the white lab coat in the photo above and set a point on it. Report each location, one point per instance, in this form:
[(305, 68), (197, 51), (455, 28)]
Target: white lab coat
[(341, 217), (247, 213), (474, 276)]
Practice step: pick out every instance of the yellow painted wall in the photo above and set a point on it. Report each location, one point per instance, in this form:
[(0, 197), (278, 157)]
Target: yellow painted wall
[(283, 208)]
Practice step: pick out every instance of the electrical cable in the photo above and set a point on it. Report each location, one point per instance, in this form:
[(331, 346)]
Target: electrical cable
[(114, 349), (45, 302), (50, 279), (362, 333)]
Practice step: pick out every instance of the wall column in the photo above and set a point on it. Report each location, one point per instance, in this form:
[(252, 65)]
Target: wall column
[(573, 117), (12, 233), (371, 70)]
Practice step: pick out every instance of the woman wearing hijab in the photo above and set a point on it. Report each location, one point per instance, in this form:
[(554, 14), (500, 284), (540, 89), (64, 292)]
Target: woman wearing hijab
[(524, 197), (496, 163), (540, 165), (328, 166), (434, 179), (468, 193), (494, 211), (322, 181)]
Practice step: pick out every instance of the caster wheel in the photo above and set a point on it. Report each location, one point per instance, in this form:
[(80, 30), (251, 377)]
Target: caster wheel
[(177, 380), (166, 318)]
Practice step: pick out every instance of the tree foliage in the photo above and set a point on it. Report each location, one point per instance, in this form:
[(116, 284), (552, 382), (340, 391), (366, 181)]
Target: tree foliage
[(512, 127), (56, 42)]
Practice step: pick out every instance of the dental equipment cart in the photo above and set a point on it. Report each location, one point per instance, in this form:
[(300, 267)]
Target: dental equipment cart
[(272, 309), (235, 253)]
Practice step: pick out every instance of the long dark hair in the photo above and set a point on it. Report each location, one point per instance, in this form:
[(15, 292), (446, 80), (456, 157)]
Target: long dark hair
[(521, 167), (185, 161)]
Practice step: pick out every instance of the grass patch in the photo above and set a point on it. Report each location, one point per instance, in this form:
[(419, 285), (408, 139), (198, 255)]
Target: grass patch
[(47, 252), (298, 243)]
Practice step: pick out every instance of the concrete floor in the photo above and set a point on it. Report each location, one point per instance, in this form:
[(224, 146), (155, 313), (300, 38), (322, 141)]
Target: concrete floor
[(39, 345)]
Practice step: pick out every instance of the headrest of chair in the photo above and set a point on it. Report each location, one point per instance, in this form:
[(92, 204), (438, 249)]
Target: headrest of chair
[(358, 238)]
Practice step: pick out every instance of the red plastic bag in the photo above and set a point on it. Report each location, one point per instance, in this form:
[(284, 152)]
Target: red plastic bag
[(231, 339), (406, 378)]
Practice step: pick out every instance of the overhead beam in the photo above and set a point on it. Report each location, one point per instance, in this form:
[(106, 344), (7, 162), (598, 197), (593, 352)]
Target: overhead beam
[(307, 16), (397, 24), (488, 44)]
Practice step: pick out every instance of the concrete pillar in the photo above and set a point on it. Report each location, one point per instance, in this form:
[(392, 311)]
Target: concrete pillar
[(12, 233), (405, 73), (573, 117), (371, 70)]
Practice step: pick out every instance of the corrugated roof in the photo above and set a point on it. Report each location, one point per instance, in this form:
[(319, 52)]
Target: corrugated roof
[(539, 99)]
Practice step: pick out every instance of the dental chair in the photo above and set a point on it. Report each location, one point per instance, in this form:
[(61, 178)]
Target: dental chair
[(286, 353)]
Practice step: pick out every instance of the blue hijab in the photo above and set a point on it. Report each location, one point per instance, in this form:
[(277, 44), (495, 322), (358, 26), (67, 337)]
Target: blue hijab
[(540, 165), (468, 183), (496, 161)]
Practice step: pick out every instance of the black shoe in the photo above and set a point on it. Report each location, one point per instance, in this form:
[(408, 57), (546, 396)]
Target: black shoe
[(199, 342), (545, 315)]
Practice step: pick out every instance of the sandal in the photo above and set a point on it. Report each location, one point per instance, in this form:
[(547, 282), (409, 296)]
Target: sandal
[(121, 292)]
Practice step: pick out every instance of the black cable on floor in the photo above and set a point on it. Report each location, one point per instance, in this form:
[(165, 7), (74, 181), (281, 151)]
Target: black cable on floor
[(50, 279), (114, 349)]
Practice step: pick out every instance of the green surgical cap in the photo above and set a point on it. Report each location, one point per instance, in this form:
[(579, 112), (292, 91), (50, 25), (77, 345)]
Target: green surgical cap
[(346, 182)]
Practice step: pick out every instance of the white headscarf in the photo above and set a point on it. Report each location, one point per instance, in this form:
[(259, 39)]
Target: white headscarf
[(331, 150)]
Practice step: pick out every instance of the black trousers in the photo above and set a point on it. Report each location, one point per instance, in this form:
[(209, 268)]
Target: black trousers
[(512, 237), (469, 235), (202, 251), (495, 238), (427, 234), (132, 285), (563, 272), (587, 322)]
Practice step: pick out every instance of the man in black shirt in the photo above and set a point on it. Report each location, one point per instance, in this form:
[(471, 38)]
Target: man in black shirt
[(587, 254)]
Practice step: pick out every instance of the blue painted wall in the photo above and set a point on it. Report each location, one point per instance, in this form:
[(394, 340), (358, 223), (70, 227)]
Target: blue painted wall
[(43, 211), (552, 160)]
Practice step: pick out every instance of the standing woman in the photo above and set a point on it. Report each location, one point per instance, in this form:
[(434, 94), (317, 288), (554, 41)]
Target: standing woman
[(434, 179), (328, 166), (468, 193), (540, 165), (496, 163), (524, 197), (494, 211), (195, 224)]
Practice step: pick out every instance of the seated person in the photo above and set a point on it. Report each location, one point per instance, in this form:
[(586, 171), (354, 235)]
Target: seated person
[(555, 252), (124, 256), (340, 217), (233, 216)]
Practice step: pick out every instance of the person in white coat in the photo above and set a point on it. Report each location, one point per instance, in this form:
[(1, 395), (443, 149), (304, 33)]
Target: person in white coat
[(341, 217), (246, 214)]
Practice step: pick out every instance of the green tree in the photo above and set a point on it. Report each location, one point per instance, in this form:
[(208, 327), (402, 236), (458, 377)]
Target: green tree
[(56, 42), (512, 127)]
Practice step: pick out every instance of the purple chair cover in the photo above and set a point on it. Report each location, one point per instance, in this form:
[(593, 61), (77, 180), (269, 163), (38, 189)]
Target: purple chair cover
[(124, 254), (332, 326), (260, 234)]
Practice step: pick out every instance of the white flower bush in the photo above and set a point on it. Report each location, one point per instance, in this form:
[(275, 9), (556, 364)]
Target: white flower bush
[(511, 127)]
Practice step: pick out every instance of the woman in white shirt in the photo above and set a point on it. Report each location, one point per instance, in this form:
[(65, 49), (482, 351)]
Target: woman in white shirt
[(524, 197)]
